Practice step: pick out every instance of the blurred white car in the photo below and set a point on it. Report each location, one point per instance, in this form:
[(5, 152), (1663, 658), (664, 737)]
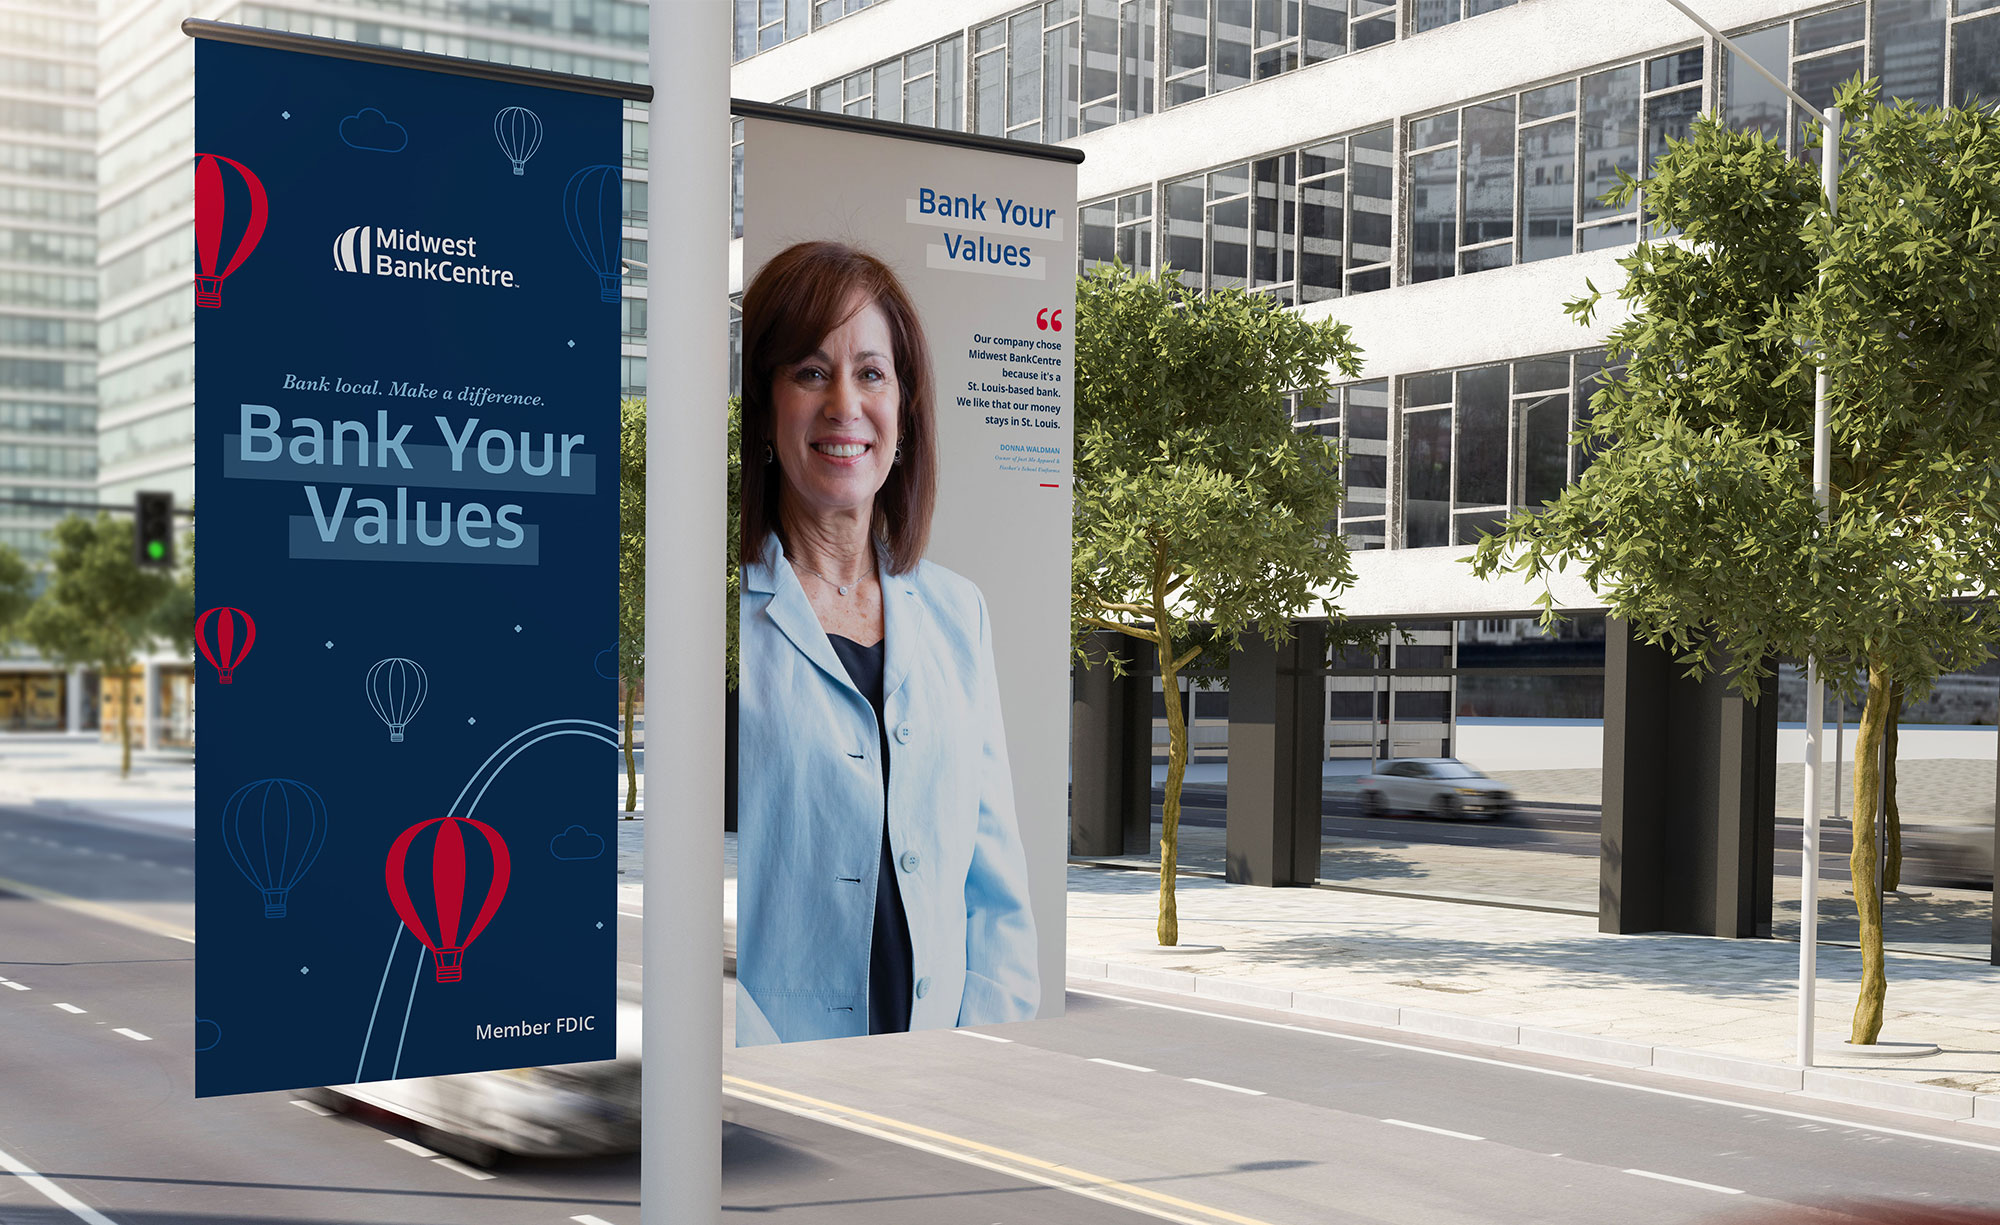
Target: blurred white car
[(571, 1110), (1433, 786)]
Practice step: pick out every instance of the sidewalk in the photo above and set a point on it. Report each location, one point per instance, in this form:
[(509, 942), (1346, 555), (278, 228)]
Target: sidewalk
[(81, 771)]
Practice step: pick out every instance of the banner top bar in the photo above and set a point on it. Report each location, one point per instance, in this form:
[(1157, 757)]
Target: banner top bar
[(222, 31), (744, 109)]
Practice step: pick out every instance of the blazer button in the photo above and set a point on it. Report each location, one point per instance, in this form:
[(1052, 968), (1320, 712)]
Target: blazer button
[(902, 733), (923, 987), (910, 861)]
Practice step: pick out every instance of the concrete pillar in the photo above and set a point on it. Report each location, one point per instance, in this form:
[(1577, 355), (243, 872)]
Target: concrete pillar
[(1277, 742), (73, 701), (1111, 749), (149, 723), (1690, 782)]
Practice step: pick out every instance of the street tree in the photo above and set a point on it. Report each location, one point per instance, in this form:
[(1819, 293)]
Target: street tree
[(98, 608), (632, 565), (631, 576), (1200, 511), (17, 590), (1697, 519)]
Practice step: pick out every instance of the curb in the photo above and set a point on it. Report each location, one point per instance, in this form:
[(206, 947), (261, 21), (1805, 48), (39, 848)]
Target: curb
[(1928, 1101)]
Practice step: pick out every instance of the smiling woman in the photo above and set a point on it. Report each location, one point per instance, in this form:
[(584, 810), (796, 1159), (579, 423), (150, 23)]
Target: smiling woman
[(863, 907)]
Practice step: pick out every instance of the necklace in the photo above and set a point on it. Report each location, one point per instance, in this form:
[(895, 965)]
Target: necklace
[(823, 578)]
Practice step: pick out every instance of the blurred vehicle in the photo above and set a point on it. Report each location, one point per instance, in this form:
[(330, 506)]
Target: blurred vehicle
[(1957, 856), (571, 1110), (1433, 786)]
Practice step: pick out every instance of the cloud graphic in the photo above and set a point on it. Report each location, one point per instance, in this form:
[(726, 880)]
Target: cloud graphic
[(207, 1034), (370, 129), (576, 842)]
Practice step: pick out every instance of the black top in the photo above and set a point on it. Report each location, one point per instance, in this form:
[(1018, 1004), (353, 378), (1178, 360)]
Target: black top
[(891, 968)]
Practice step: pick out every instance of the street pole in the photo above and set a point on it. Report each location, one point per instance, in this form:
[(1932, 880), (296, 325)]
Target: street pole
[(1829, 181), (687, 387)]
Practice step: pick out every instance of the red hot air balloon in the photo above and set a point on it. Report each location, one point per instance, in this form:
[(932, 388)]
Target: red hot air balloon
[(234, 632), (446, 849), (210, 219)]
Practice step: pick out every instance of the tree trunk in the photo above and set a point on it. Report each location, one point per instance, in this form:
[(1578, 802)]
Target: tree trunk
[(1892, 820), (631, 770), (1177, 754), (1875, 719), (125, 724)]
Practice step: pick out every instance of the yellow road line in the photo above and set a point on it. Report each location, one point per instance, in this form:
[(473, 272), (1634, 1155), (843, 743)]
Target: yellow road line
[(98, 910), (1005, 1161)]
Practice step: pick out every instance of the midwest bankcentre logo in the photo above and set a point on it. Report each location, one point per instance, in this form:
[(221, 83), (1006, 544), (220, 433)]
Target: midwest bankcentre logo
[(413, 255)]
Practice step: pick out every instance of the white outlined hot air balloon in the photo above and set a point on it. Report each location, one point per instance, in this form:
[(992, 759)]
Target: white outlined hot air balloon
[(396, 689), (519, 131)]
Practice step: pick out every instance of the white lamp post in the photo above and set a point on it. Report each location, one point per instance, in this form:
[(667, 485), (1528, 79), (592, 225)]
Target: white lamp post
[(1829, 178)]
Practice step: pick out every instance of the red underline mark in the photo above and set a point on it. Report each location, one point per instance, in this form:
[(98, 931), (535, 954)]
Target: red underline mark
[(1046, 485)]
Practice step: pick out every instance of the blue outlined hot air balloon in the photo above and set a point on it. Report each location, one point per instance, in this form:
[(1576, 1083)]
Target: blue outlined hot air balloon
[(273, 830), (594, 210), (396, 689), (519, 131)]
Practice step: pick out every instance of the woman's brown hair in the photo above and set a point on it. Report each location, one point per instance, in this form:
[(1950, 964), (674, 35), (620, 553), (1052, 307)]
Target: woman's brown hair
[(800, 296)]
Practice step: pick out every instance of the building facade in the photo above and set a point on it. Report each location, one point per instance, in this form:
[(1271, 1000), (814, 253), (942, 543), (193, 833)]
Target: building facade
[(1426, 171), (48, 275)]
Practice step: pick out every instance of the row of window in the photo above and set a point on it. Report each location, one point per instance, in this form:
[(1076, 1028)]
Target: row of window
[(61, 463), (38, 374), (1054, 69), (169, 311), (47, 289), (31, 31), (491, 50), (165, 432), (48, 161), (1452, 453), (38, 493), (763, 24), (620, 20), (53, 118), (1511, 179), (26, 417), (1932, 52), (166, 254), (41, 332), (19, 246), (48, 76), (156, 375), (172, 192), (47, 204)]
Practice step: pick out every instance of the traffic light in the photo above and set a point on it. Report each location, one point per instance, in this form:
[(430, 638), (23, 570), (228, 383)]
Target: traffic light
[(153, 531)]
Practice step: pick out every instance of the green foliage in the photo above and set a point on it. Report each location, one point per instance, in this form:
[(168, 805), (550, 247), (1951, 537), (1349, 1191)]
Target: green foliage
[(1189, 475), (17, 590), (98, 608), (1698, 519), (632, 540), (1199, 511)]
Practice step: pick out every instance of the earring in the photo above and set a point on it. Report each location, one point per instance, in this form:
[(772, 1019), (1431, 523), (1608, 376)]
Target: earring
[(897, 458), (770, 456)]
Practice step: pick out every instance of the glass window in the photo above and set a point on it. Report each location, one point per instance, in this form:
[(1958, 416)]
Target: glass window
[(1543, 462), (1482, 437), (1751, 103), (1548, 189), (1610, 130), (1909, 50), (1834, 29), (1426, 478), (1487, 209), (1433, 214), (1975, 61)]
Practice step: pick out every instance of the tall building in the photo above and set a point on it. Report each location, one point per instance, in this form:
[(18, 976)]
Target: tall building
[(48, 277), (1428, 171), (145, 184)]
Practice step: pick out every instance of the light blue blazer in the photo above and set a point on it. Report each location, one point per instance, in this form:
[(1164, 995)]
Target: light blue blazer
[(810, 806)]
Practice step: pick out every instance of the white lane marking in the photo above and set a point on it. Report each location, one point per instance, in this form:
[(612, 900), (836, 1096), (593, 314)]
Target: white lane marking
[(133, 1034), (1686, 1182), (587, 1219), (1556, 1072), (410, 1146), (55, 1195), (1436, 1131), (313, 1108), (17, 986), (973, 1033), (183, 939), (459, 1167), (1216, 1084), (70, 1008), (1129, 1067)]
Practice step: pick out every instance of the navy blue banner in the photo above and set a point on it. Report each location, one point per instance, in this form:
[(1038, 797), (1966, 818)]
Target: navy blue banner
[(406, 430)]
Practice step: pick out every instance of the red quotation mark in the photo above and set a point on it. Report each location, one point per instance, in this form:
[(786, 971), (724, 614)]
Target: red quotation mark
[(1049, 321)]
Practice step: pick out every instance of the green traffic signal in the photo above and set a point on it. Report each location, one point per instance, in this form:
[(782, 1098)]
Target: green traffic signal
[(155, 550)]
